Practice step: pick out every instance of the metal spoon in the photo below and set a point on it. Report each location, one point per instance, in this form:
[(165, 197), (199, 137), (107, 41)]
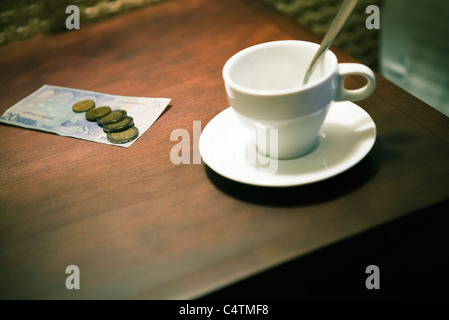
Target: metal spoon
[(342, 15)]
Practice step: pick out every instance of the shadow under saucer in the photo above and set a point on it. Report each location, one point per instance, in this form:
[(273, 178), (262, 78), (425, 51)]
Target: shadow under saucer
[(318, 192)]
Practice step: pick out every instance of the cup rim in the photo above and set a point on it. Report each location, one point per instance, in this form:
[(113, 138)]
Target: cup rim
[(276, 92)]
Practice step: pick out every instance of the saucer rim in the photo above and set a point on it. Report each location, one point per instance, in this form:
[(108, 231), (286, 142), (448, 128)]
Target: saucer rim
[(346, 165)]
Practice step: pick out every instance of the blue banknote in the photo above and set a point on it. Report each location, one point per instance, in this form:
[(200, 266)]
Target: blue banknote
[(50, 109)]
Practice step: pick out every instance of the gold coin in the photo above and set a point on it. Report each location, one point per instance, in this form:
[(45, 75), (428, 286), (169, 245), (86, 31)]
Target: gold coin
[(123, 136), (114, 116), (95, 113), (83, 106), (119, 126)]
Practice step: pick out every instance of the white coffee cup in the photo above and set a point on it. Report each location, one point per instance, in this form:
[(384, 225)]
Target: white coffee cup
[(264, 87)]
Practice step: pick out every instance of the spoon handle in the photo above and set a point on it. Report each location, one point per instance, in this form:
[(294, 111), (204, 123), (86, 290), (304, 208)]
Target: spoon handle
[(338, 22)]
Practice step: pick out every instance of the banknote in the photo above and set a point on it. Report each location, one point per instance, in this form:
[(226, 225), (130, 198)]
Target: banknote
[(50, 109)]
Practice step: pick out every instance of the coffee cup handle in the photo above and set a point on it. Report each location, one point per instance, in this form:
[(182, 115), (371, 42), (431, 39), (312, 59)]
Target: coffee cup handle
[(354, 69)]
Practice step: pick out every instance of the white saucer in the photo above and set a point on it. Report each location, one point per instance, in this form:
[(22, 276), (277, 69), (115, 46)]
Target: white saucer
[(347, 135)]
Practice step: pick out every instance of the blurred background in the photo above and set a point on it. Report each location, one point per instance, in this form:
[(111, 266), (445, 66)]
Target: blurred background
[(410, 48)]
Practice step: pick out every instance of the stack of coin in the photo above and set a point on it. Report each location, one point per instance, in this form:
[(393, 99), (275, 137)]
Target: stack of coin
[(118, 126)]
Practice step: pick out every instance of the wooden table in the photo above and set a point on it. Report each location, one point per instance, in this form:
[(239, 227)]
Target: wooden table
[(139, 226)]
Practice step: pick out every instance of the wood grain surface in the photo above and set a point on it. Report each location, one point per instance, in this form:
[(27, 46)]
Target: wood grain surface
[(139, 226)]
